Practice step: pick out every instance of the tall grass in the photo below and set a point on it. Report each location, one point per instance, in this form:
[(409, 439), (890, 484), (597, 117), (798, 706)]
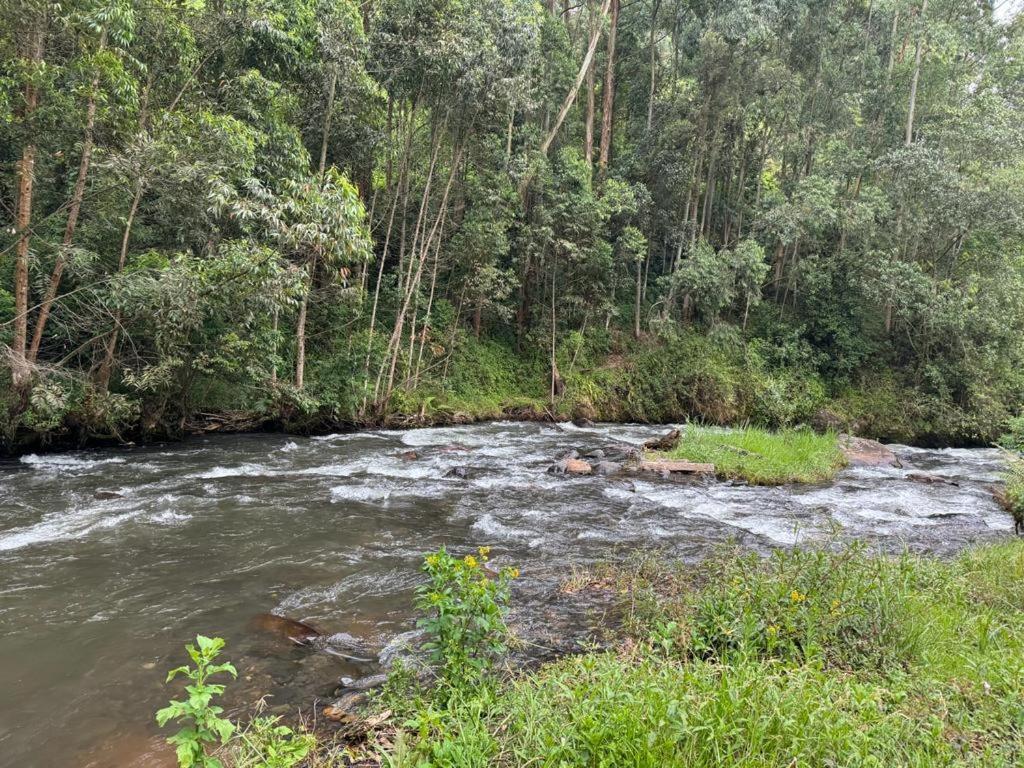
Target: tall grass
[(761, 457), (810, 658)]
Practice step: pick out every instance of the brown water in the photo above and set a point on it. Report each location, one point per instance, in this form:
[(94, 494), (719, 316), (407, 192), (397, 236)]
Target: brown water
[(111, 560)]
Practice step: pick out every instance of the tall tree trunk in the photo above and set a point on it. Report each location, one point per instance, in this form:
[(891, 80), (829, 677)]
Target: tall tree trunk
[(570, 97), (918, 52), (300, 326), (588, 125), (107, 366), (608, 100), (653, 63), (331, 85), (639, 292), (76, 206), (23, 216)]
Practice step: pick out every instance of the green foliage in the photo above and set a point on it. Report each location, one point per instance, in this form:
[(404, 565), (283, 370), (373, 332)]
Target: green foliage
[(202, 725), (1013, 492), (463, 609), (1013, 438), (761, 457), (873, 661), (265, 743), (844, 609)]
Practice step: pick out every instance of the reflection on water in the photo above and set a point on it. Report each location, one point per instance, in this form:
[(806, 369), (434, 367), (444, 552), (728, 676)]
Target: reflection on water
[(111, 560)]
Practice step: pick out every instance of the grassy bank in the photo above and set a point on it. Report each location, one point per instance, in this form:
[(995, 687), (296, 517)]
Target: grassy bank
[(814, 657), (809, 658), (761, 457)]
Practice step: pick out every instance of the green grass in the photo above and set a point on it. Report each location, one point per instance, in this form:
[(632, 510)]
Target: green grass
[(1012, 496), (761, 457), (809, 658)]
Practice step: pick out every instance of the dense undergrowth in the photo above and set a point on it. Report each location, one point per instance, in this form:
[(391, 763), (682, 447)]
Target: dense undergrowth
[(678, 377)]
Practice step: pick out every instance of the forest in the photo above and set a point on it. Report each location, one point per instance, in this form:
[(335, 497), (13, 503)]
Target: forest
[(233, 214)]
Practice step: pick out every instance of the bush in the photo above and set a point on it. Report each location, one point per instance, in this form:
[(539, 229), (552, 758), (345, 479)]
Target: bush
[(464, 617)]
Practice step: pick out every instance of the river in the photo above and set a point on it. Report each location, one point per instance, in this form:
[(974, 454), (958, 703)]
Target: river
[(110, 560)]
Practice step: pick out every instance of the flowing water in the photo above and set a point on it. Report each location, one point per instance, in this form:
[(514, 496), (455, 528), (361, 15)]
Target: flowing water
[(110, 560)]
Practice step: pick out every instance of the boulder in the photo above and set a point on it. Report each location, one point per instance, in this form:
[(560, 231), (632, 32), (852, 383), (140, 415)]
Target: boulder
[(861, 452), (825, 420), (666, 442), (677, 466), (462, 473), (346, 707), (607, 467), (408, 455), (582, 422), (577, 467)]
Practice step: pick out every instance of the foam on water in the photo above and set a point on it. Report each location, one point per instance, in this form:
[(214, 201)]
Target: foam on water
[(63, 462)]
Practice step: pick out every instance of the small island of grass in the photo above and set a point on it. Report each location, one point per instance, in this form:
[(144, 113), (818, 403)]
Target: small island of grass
[(760, 457)]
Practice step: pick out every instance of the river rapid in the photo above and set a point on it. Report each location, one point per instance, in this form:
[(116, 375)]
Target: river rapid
[(111, 560)]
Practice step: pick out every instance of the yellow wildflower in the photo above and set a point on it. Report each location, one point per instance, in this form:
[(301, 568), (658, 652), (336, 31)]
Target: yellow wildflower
[(514, 573), (484, 551), (773, 630), (797, 597), (470, 561)]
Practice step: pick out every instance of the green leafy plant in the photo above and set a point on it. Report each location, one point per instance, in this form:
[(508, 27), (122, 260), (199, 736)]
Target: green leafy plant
[(465, 611), (266, 743), (202, 724)]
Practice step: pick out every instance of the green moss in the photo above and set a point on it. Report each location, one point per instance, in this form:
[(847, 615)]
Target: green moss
[(761, 457)]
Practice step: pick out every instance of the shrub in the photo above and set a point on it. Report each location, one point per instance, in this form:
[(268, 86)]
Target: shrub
[(202, 724), (465, 612)]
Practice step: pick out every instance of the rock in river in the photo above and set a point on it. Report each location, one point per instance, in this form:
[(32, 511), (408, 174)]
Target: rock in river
[(296, 631), (666, 442), (861, 452)]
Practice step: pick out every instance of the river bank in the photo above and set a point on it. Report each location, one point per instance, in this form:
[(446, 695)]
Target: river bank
[(685, 378), (807, 658)]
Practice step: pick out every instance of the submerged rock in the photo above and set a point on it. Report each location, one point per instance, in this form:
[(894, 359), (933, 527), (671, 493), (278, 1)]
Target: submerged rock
[(917, 477), (861, 452), (281, 626), (607, 467), (462, 473), (408, 455)]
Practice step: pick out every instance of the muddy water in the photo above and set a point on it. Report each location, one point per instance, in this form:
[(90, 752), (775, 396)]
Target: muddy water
[(111, 560)]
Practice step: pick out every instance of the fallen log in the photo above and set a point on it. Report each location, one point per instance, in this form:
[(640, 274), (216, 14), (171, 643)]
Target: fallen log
[(677, 466)]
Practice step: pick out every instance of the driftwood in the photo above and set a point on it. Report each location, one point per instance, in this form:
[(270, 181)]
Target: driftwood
[(677, 467)]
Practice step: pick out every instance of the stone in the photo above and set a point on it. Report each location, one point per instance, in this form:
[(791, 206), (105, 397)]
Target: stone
[(344, 708), (917, 477), (666, 442), (408, 456), (607, 467), (578, 467), (861, 452), (462, 473), (282, 626)]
